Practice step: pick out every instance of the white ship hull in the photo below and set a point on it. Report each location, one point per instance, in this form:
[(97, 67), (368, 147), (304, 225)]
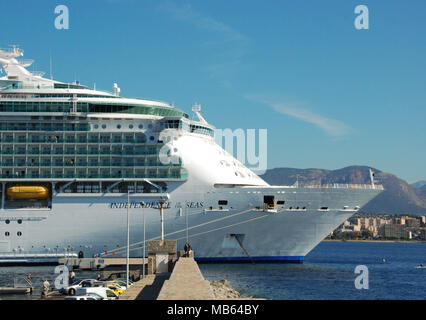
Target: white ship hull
[(96, 224)]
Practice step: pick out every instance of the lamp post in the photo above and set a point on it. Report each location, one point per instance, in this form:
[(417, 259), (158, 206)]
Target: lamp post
[(186, 218), (162, 220), (144, 244), (128, 239)]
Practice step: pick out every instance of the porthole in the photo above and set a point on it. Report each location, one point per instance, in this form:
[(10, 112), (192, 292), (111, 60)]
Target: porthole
[(141, 126), (104, 126), (7, 233), (19, 221), (130, 126), (150, 126), (19, 233), (118, 126), (7, 221), (96, 126), (151, 138)]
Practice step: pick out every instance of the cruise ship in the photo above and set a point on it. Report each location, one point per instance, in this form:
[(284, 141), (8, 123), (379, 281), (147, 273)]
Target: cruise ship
[(75, 162)]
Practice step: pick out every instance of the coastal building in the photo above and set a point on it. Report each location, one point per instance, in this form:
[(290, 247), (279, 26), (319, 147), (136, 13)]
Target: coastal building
[(399, 220), (422, 234), (397, 231), (412, 222)]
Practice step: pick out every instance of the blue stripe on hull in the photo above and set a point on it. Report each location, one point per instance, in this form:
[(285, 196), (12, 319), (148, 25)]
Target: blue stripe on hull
[(286, 259)]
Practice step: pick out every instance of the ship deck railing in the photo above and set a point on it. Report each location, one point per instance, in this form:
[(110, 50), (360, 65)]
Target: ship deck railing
[(345, 186)]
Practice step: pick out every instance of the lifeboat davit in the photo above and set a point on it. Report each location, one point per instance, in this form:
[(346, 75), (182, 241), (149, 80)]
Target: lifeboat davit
[(27, 192)]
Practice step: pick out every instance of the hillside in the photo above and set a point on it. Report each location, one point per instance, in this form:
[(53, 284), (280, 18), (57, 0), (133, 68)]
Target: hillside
[(398, 198)]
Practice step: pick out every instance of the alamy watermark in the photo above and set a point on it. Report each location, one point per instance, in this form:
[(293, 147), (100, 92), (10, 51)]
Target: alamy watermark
[(61, 281), (361, 281), (62, 21), (362, 19), (248, 146), (244, 149)]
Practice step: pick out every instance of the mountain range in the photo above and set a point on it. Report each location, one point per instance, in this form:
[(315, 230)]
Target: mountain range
[(399, 197), (420, 185)]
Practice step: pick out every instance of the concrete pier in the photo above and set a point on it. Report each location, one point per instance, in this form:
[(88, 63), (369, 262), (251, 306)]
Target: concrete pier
[(12, 290), (146, 289), (186, 283), (107, 266)]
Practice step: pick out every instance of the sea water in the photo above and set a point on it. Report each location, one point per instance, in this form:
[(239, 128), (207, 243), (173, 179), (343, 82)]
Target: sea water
[(327, 273)]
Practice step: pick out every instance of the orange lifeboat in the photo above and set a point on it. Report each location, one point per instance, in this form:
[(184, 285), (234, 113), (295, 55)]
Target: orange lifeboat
[(27, 192)]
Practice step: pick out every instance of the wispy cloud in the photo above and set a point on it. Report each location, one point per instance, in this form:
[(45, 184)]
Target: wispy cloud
[(185, 12), (333, 127), (330, 126), (226, 45)]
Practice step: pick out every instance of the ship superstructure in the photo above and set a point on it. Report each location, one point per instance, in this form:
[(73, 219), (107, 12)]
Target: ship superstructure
[(73, 159)]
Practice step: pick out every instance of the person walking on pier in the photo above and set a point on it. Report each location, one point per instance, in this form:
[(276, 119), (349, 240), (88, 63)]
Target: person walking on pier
[(186, 248), (46, 287), (72, 277)]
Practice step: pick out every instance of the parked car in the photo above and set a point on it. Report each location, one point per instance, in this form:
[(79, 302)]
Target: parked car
[(115, 287), (87, 297), (104, 292), (122, 283), (71, 289), (96, 296)]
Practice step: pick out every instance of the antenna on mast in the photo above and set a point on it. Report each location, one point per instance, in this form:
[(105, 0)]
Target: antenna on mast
[(196, 108), (116, 89), (51, 74)]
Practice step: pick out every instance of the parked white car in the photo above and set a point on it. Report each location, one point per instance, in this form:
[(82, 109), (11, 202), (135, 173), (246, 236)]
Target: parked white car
[(72, 289), (103, 292), (88, 297)]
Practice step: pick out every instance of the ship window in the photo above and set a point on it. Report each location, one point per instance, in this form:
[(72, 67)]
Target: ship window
[(96, 126), (104, 126), (280, 202), (140, 126), (324, 208), (118, 126), (19, 221), (151, 138), (7, 233), (7, 221), (223, 202), (130, 126), (19, 233)]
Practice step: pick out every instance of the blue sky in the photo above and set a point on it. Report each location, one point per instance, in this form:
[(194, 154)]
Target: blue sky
[(330, 95)]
